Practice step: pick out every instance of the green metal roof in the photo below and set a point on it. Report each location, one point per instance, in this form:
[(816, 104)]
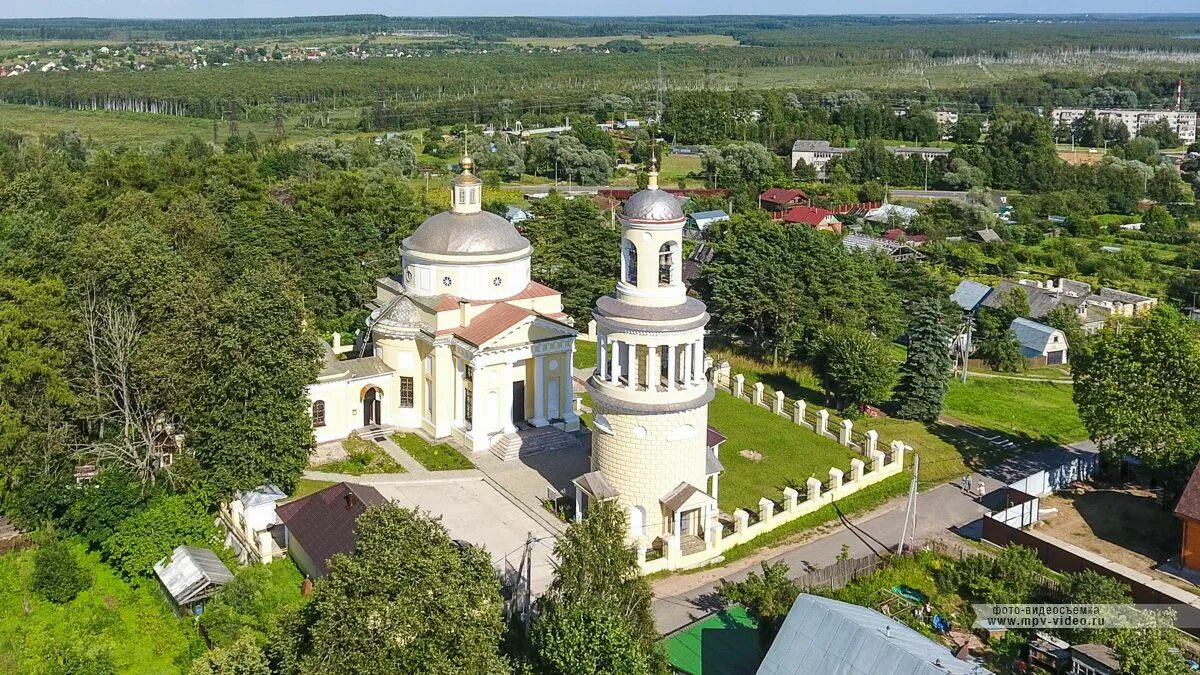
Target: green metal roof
[(725, 643)]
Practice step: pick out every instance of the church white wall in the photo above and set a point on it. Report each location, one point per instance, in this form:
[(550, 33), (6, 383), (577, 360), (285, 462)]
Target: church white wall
[(343, 405)]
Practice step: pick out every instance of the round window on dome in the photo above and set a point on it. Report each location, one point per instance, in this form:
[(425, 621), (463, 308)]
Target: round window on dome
[(497, 281), (446, 281)]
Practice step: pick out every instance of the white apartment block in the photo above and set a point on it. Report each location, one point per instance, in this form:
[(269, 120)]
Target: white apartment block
[(1183, 122), (818, 153)]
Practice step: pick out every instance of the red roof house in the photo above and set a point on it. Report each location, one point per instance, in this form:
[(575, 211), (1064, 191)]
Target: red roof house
[(815, 217), (780, 200)]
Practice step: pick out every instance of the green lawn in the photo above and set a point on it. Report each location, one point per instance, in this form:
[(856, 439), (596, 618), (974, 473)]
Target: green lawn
[(790, 454), (439, 457), (1041, 411), (129, 626), (307, 486), (585, 355), (362, 457)]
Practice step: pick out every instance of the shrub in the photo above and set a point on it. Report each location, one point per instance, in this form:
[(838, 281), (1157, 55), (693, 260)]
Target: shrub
[(151, 534), (254, 601), (56, 573)]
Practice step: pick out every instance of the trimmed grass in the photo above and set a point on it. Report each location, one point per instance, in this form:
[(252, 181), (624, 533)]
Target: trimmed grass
[(307, 486), (1042, 411), (585, 355), (790, 454), (129, 626), (362, 457), (439, 457)]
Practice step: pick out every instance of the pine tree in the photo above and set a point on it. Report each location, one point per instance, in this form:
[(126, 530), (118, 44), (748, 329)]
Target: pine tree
[(925, 375)]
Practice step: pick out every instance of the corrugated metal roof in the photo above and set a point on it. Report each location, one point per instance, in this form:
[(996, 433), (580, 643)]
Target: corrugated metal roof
[(827, 637), (970, 294), (1033, 336), (190, 573), (263, 494)]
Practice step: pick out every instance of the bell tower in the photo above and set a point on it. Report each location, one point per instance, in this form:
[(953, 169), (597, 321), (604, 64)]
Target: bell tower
[(649, 391)]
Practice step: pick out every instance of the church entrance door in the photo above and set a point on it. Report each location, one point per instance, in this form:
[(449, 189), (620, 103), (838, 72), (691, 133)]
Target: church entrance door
[(518, 402), (372, 407)]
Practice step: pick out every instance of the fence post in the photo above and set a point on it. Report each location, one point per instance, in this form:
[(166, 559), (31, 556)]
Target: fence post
[(766, 509), (835, 480), (778, 403), (823, 422), (758, 394), (844, 434), (876, 460), (898, 452), (872, 442), (741, 520), (790, 498), (814, 488), (856, 469), (798, 412), (739, 386)]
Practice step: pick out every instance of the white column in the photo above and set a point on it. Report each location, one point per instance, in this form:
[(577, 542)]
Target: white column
[(578, 504), (687, 365), (614, 375), (697, 362), (602, 356), (652, 368), (633, 367), (672, 358), (460, 393), (539, 391), (506, 399)]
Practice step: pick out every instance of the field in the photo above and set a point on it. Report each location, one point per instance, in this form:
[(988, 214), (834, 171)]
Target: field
[(649, 40), (138, 130), (1041, 411), (130, 625)]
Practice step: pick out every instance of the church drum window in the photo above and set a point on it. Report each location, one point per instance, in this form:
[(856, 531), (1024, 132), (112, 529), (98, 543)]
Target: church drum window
[(318, 413), (631, 271), (406, 392)]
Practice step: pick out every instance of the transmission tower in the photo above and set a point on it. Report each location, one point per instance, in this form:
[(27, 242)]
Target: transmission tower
[(233, 117), (279, 130)]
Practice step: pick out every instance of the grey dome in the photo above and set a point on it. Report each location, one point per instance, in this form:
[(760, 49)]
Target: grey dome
[(479, 233), (653, 205)]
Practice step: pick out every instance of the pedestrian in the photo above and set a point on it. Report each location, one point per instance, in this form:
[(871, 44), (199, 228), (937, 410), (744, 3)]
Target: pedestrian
[(965, 484), (982, 492)]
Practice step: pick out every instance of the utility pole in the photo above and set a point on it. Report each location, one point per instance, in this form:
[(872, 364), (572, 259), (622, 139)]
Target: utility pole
[(528, 573), (910, 512)]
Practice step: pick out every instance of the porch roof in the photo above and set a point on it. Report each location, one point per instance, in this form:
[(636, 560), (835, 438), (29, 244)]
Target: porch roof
[(595, 484), (686, 496)]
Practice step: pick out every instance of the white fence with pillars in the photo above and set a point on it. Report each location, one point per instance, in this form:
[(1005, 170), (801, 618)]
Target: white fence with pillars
[(877, 466)]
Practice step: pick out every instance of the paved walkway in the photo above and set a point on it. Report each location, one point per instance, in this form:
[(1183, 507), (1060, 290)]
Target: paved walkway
[(529, 481)]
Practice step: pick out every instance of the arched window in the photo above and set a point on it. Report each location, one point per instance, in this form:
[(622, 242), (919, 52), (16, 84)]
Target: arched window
[(666, 263), (637, 521), (631, 273), (318, 413)]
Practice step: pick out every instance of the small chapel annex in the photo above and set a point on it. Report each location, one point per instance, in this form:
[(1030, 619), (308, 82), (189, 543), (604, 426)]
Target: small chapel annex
[(461, 345)]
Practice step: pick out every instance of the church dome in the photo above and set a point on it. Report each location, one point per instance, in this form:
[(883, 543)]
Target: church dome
[(653, 204), (477, 233), (466, 229)]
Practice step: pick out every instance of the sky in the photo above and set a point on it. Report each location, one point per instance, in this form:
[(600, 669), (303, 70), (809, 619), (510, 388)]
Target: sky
[(156, 9)]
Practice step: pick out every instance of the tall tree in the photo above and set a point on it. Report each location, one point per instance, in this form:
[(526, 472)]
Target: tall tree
[(407, 600), (249, 422), (1138, 390), (925, 374), (599, 586), (854, 367)]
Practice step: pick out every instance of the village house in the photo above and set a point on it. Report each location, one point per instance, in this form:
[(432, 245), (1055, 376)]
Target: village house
[(1039, 342), (1092, 308), (320, 525), (815, 217), (1188, 512), (897, 250), (778, 201), (699, 221)]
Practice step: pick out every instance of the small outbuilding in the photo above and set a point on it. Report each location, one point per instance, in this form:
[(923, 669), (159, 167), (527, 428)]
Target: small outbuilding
[(1040, 341), (322, 524), (700, 220), (191, 575)]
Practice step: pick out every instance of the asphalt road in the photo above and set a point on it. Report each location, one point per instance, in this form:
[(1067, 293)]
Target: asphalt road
[(929, 194), (682, 599)]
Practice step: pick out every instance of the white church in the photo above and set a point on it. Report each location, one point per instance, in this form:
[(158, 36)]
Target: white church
[(461, 346)]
